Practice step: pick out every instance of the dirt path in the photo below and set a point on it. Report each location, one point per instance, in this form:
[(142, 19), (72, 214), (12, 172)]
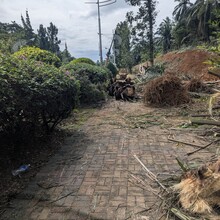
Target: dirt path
[(89, 177)]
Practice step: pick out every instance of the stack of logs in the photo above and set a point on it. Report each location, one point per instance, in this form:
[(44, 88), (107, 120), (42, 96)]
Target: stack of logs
[(122, 89)]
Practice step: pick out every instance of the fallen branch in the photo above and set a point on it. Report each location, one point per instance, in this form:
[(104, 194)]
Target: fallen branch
[(182, 166), (180, 215), (214, 73), (62, 197), (49, 186), (205, 122), (144, 186), (212, 82), (202, 148), (216, 107), (205, 115), (150, 175), (182, 142), (144, 210)]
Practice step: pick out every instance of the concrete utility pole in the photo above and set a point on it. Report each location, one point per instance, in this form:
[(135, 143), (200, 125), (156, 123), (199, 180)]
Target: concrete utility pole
[(101, 4)]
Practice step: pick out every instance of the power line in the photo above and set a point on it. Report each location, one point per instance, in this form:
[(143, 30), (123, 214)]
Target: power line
[(101, 4)]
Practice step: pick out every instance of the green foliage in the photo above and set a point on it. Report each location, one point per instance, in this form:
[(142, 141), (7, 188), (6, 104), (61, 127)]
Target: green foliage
[(164, 33), (215, 48), (93, 80), (112, 68), (11, 36), (52, 32), (83, 60), (37, 54), (123, 59), (157, 69), (194, 21), (29, 34), (33, 95), (144, 22), (65, 56), (42, 38)]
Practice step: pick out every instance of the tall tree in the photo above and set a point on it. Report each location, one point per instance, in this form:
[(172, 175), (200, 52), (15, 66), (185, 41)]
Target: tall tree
[(65, 55), (145, 20), (11, 36), (42, 38), (202, 14), (30, 37), (164, 33), (52, 32), (123, 59), (180, 11)]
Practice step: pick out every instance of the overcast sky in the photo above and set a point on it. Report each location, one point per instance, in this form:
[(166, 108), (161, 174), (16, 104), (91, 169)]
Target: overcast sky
[(76, 21)]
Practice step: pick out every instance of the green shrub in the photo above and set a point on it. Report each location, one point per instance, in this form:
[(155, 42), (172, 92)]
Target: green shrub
[(112, 68), (93, 80), (32, 95), (82, 60), (37, 54)]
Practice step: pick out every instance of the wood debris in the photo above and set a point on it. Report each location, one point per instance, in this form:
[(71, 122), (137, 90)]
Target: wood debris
[(199, 190)]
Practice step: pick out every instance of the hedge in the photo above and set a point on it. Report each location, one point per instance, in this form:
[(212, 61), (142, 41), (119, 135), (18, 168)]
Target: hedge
[(37, 54), (82, 60), (33, 94), (93, 80)]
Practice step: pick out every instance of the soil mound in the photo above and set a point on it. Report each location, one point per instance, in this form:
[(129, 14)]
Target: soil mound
[(187, 64)]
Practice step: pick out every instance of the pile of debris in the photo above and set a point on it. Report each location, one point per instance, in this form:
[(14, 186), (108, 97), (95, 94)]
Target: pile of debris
[(195, 197), (199, 189), (122, 88), (165, 90)]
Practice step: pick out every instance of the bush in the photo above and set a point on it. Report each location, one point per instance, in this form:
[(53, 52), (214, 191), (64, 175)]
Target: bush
[(82, 60), (37, 54), (112, 68), (93, 81), (33, 95)]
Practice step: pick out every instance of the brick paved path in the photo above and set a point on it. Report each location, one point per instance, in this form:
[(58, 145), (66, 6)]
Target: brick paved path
[(89, 177)]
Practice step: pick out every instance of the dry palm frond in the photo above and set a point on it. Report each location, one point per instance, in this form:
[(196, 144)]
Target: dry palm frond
[(212, 100), (199, 189)]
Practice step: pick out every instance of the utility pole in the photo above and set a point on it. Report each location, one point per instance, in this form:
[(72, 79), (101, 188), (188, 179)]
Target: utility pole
[(101, 4)]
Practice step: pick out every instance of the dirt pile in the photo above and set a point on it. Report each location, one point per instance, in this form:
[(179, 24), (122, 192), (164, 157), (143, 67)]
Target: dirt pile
[(187, 64)]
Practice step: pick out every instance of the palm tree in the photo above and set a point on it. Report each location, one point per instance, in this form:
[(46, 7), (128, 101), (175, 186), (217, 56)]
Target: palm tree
[(202, 13), (165, 34), (181, 9)]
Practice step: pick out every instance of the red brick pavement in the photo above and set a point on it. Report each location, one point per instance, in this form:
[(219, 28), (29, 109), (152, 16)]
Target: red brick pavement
[(88, 177)]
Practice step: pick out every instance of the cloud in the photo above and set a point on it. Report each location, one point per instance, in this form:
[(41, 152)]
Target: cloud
[(76, 21)]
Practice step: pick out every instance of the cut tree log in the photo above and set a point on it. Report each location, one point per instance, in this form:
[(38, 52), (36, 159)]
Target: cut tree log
[(214, 72), (205, 115), (205, 122)]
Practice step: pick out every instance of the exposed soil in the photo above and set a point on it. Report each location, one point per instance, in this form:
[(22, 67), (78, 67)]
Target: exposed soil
[(187, 64)]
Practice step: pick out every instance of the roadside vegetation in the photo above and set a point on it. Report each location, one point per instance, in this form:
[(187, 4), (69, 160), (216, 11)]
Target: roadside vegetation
[(41, 86)]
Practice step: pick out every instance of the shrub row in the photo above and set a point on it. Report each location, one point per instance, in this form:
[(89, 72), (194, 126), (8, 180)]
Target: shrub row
[(35, 93), (32, 95), (94, 80)]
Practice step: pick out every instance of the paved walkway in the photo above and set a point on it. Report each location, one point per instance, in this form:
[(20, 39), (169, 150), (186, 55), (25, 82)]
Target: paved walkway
[(90, 177)]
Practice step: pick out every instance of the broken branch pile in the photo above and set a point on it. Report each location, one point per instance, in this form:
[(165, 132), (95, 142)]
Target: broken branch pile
[(197, 85), (166, 90), (196, 196), (199, 190)]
